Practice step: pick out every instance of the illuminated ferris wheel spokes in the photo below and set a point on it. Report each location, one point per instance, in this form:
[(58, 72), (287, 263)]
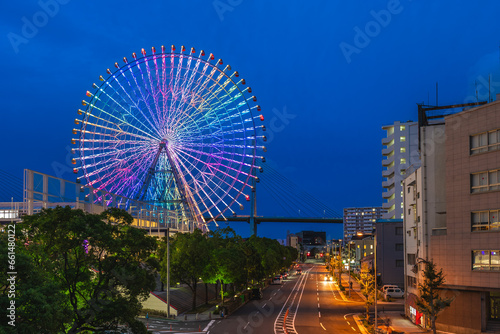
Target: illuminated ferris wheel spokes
[(173, 129)]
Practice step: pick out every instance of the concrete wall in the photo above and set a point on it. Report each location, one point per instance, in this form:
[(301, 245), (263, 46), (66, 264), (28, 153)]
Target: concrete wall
[(464, 314)]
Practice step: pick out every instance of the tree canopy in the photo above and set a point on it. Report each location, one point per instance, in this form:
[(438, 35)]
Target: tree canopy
[(98, 267), (221, 256)]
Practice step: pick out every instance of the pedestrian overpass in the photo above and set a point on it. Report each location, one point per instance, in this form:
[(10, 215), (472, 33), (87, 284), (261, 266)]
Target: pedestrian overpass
[(43, 191)]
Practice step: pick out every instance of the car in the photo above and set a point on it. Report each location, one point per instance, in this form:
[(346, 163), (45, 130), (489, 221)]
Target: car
[(256, 293), (328, 277), (393, 293), (298, 272), (284, 275), (387, 286), (277, 279)]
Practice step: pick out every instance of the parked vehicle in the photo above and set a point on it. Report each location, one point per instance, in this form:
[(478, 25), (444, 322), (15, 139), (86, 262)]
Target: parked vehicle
[(393, 293), (387, 286), (277, 279), (256, 293)]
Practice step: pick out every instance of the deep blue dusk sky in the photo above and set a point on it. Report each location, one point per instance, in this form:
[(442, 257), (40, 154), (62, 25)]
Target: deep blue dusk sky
[(304, 59)]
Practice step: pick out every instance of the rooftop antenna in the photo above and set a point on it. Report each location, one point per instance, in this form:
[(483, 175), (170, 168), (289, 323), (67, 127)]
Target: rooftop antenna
[(475, 88), (437, 104), (489, 88)]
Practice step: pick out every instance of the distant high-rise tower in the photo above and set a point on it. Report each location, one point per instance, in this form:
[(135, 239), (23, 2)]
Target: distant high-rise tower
[(400, 149), (361, 220)]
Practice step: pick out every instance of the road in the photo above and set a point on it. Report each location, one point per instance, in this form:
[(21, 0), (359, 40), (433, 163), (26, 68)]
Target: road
[(304, 304)]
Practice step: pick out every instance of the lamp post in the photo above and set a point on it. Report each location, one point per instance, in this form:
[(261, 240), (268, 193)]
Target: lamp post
[(349, 269), (340, 262), (375, 271), (168, 272)]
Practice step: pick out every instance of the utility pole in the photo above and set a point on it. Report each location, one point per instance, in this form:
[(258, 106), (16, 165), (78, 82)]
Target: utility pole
[(168, 272), (375, 270), (349, 269), (253, 205)]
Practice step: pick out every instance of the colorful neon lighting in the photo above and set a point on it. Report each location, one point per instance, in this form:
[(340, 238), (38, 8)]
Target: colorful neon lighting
[(191, 103)]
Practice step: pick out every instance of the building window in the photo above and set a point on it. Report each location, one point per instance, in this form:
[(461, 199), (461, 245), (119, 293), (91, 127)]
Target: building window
[(402, 128), (412, 281), (402, 150), (486, 141), (399, 247), (409, 211), (402, 139), (411, 259), (400, 263), (399, 231), (402, 161), (485, 181), (486, 260), (485, 220)]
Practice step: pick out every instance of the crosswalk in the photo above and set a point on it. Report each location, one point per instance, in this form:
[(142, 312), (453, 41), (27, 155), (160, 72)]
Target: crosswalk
[(284, 323)]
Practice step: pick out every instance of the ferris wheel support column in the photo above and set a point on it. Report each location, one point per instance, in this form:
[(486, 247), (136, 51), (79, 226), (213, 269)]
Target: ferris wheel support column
[(253, 206), (197, 217)]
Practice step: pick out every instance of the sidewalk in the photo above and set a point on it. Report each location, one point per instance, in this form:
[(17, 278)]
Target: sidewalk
[(202, 316), (398, 323)]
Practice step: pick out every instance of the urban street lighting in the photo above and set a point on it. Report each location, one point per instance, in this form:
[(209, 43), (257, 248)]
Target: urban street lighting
[(375, 272), (350, 242)]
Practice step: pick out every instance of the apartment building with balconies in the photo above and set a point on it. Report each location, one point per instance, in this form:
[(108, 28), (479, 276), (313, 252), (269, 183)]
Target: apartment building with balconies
[(361, 220), (400, 151)]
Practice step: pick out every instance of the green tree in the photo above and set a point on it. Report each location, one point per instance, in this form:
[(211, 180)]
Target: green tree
[(100, 261), (227, 260), (430, 302), (252, 264), (189, 257), (366, 282), (338, 265), (40, 303)]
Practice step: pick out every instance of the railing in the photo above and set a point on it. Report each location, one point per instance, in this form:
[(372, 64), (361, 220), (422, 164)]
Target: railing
[(45, 191)]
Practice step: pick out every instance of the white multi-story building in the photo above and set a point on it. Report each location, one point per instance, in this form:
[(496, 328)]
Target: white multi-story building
[(400, 149), (360, 220)]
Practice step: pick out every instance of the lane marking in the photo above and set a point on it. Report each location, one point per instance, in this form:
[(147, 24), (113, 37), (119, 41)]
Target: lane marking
[(264, 305), (246, 325), (354, 329), (318, 305), (350, 323), (319, 314), (320, 324), (208, 325)]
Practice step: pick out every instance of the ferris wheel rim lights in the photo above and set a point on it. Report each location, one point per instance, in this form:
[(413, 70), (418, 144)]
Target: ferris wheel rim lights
[(214, 139)]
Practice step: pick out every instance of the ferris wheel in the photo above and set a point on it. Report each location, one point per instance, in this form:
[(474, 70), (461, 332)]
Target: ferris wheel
[(174, 129)]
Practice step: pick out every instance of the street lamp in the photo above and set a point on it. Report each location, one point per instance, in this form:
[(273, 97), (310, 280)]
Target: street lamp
[(350, 242), (375, 271)]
